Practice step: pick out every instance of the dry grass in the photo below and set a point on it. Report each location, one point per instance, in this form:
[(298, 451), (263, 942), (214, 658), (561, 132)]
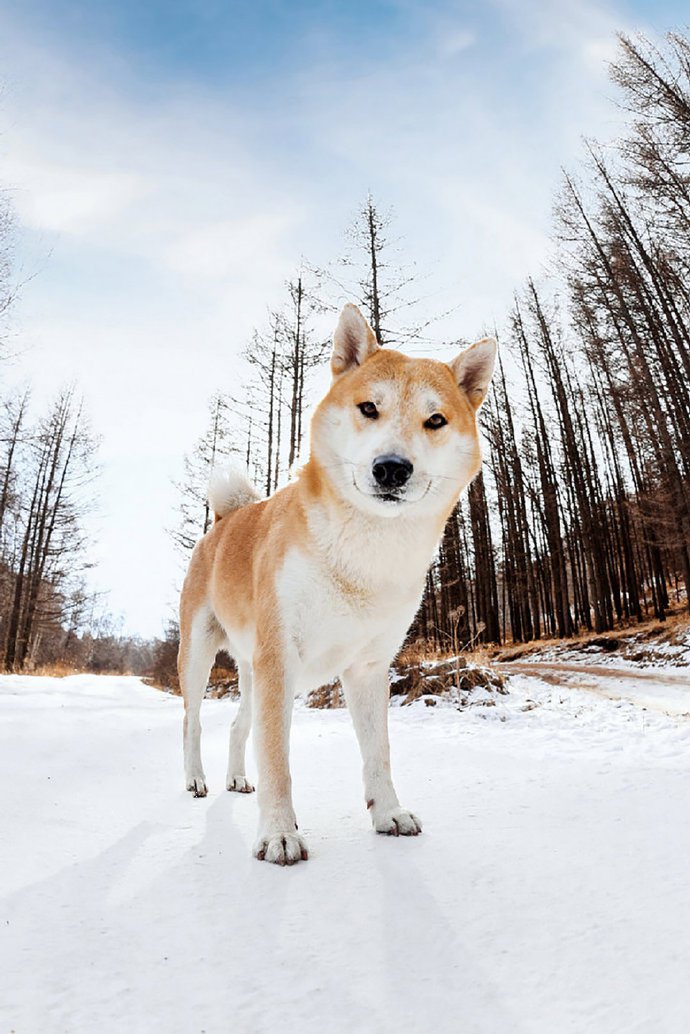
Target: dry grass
[(150, 680), (222, 681), (56, 670), (62, 670), (422, 652), (417, 652), (441, 676), (481, 655), (416, 674), (671, 630), (328, 696)]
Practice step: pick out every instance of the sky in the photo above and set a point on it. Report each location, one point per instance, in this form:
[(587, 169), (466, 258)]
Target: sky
[(170, 164)]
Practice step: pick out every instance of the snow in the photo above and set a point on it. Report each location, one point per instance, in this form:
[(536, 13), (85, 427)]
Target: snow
[(654, 655), (548, 892), (664, 690)]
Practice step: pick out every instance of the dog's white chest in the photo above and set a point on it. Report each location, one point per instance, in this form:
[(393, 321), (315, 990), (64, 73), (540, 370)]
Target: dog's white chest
[(334, 622)]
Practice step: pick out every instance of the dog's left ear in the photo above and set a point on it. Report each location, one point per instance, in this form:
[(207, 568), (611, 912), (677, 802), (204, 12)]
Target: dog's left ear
[(353, 342), (474, 368)]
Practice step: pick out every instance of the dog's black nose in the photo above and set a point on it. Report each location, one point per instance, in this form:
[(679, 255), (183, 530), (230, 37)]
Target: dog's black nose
[(391, 471)]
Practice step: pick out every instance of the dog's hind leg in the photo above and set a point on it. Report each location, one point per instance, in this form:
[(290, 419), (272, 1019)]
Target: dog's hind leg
[(239, 731), (200, 640)]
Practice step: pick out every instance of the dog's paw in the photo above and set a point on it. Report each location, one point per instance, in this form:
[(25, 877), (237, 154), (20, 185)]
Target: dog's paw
[(397, 822), (281, 848), (197, 785), (239, 783)]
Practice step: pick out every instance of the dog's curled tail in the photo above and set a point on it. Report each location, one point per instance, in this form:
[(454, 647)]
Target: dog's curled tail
[(229, 489)]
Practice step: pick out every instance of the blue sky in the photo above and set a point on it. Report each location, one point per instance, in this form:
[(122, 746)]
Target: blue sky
[(170, 163)]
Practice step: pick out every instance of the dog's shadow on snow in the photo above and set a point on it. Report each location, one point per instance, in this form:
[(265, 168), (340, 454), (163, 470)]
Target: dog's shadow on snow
[(445, 966), (357, 931)]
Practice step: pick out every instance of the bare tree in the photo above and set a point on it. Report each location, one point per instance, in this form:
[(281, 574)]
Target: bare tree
[(6, 254), (59, 465), (217, 444)]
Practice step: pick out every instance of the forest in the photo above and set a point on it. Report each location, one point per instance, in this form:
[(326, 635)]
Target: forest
[(581, 517), (48, 615)]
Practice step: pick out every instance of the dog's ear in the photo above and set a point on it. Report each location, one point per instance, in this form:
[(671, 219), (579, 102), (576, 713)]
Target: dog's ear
[(474, 368), (353, 342)]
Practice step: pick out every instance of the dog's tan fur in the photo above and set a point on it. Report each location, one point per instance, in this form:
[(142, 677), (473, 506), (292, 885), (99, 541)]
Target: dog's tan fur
[(234, 594)]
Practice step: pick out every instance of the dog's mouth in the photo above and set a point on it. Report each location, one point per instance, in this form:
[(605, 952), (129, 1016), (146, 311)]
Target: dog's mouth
[(392, 498)]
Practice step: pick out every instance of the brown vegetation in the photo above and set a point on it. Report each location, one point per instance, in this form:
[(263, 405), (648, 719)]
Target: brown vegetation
[(637, 641)]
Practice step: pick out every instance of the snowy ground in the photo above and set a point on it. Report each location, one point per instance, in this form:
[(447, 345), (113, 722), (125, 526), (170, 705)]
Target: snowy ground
[(665, 690), (655, 652), (548, 893)]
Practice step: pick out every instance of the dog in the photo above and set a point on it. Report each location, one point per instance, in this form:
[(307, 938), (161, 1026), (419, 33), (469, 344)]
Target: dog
[(324, 577)]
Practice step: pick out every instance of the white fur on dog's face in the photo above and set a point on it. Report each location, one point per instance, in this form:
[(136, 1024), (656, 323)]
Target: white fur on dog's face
[(444, 460), (379, 408), (406, 393)]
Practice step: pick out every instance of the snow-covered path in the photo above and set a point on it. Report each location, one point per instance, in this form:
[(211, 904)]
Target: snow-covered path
[(549, 892), (666, 690)]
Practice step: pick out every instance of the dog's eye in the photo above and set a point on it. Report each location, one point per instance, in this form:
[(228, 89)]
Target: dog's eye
[(368, 409), (435, 421)]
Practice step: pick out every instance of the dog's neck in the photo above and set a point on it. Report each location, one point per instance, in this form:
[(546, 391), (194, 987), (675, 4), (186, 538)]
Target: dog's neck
[(369, 552)]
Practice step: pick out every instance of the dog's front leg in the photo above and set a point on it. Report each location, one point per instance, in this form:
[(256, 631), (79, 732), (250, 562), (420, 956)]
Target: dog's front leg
[(367, 692), (278, 840)]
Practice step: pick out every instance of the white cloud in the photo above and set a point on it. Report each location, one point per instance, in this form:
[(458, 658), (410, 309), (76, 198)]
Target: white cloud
[(455, 41), (233, 249), (69, 199), (558, 25), (599, 51)]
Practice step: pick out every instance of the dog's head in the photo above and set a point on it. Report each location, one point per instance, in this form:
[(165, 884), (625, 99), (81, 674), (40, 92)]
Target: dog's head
[(396, 435)]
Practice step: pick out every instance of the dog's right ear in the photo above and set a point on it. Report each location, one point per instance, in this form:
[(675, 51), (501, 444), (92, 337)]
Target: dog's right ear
[(353, 342)]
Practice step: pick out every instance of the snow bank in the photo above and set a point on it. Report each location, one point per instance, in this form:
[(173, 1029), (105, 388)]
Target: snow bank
[(656, 652)]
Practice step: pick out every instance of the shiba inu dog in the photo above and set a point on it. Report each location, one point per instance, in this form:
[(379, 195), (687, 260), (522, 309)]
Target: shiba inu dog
[(323, 578)]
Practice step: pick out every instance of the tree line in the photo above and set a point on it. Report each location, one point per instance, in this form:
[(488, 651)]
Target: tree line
[(48, 616), (45, 463), (581, 517)]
